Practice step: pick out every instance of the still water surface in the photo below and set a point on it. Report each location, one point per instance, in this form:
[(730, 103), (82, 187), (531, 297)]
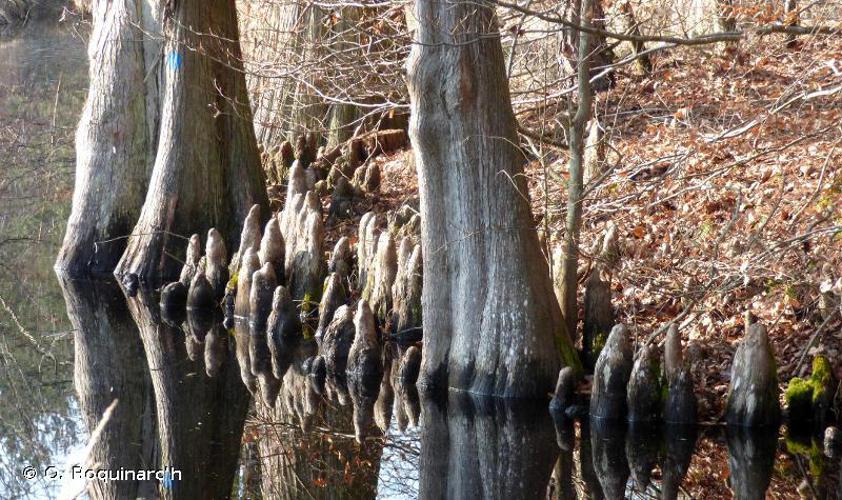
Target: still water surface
[(192, 395)]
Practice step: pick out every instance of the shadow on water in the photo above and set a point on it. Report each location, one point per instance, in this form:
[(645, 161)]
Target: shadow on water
[(240, 416)]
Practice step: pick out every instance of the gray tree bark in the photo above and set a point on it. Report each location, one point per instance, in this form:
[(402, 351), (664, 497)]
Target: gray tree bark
[(576, 168), (286, 38), (113, 143), (492, 324), (207, 171)]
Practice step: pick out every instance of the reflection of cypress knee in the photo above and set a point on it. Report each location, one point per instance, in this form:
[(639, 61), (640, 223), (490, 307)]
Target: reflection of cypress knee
[(173, 296), (337, 341), (751, 459), (216, 348), (201, 295), (643, 443), (610, 463), (680, 442)]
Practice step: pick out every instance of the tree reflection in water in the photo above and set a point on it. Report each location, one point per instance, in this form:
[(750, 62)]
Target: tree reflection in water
[(170, 412), (185, 386)]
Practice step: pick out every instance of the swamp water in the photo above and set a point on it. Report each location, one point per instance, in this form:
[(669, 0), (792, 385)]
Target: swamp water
[(190, 394)]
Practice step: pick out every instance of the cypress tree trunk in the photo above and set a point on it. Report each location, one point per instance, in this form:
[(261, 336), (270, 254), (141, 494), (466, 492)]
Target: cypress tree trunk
[(285, 38), (207, 171), (113, 144), (491, 321)]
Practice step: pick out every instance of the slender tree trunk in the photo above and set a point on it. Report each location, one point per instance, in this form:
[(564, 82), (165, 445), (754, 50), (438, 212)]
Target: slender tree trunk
[(207, 171), (491, 322), (602, 54), (574, 184), (113, 159)]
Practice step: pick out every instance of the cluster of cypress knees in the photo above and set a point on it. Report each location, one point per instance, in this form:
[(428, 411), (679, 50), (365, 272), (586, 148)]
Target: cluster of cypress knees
[(651, 386), (283, 286)]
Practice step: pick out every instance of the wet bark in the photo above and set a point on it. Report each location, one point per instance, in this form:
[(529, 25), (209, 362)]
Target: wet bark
[(207, 171), (113, 143), (494, 324)]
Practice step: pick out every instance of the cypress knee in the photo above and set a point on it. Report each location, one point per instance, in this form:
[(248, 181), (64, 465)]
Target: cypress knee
[(272, 248), (599, 317), (611, 376), (680, 403), (753, 393), (216, 262), (365, 367), (191, 260), (644, 391), (333, 297), (263, 284)]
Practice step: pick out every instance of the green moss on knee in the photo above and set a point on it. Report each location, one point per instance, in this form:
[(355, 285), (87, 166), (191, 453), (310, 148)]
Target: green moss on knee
[(799, 393), (802, 396)]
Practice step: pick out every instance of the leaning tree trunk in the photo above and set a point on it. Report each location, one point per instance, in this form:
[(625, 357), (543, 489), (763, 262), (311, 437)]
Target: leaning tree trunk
[(491, 322), (207, 171), (113, 145)]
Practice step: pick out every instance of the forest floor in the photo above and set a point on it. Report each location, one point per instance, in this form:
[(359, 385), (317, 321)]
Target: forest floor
[(726, 186)]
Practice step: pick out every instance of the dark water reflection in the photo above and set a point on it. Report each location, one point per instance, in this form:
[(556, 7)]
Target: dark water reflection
[(241, 418)]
